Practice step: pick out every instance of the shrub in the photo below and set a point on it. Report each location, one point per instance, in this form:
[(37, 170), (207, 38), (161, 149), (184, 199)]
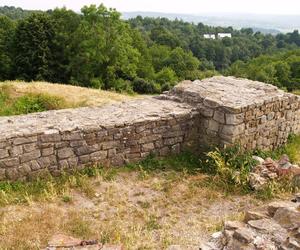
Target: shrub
[(231, 165), (166, 76), (143, 86)]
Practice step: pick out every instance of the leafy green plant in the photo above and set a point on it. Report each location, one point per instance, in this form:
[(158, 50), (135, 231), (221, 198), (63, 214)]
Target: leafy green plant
[(232, 166)]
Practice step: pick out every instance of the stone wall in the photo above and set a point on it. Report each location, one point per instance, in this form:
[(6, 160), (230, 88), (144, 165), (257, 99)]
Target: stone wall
[(54, 141), (193, 115), (255, 114)]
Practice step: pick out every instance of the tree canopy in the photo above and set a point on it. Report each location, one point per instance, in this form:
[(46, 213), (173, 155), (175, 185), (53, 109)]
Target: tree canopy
[(97, 48)]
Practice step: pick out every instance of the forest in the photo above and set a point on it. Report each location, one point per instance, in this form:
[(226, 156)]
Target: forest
[(97, 48)]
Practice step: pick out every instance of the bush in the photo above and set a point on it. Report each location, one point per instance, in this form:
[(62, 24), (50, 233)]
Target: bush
[(166, 76), (121, 85), (143, 86)]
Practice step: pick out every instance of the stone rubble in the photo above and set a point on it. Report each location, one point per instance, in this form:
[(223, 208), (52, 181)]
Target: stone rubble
[(275, 226), (269, 169)]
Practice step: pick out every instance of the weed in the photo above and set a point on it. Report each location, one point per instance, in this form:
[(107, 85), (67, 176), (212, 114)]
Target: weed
[(67, 198), (152, 223), (79, 227)]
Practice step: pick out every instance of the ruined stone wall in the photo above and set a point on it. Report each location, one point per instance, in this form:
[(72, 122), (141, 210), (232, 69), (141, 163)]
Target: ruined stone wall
[(254, 114), (56, 141), (194, 115)]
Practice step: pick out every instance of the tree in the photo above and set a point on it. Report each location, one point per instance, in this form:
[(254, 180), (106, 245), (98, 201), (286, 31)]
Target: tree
[(33, 45), (66, 22), (105, 49), (182, 62), (7, 29)]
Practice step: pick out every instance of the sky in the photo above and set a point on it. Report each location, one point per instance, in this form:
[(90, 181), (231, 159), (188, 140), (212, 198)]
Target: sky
[(283, 7)]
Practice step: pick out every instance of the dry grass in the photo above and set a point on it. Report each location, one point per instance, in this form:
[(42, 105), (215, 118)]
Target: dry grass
[(73, 95), (140, 210)]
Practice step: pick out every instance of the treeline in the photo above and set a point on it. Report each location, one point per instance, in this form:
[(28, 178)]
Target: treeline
[(98, 49), (281, 69)]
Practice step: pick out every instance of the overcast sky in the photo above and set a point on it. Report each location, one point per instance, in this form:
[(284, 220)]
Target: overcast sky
[(290, 7)]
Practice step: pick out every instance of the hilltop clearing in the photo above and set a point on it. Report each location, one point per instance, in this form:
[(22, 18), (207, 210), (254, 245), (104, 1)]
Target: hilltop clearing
[(21, 98)]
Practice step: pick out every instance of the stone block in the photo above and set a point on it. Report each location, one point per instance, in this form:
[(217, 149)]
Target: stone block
[(110, 144), (213, 125), (24, 140), (29, 147), (99, 155), (47, 151), (9, 162), (64, 153), (219, 116), (234, 119), (148, 147), (3, 153), (12, 174), (30, 156), (51, 137), (206, 112)]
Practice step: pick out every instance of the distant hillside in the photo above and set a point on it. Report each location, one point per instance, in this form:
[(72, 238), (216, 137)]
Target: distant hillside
[(271, 24), (15, 13)]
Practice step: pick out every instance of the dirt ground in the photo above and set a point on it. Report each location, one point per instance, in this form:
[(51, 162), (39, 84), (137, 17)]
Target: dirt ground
[(138, 209)]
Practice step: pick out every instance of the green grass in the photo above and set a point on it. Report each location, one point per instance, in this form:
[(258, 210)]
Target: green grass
[(27, 103)]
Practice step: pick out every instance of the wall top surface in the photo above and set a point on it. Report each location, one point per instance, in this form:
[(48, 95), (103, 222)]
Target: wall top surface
[(115, 115), (232, 92)]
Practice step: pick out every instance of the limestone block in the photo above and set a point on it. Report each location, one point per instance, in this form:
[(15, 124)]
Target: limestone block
[(206, 111), (219, 116), (3, 153), (234, 119), (12, 174), (213, 125), (47, 151), (233, 129), (64, 153), (24, 140), (50, 136), (99, 155), (148, 147), (30, 156), (29, 147)]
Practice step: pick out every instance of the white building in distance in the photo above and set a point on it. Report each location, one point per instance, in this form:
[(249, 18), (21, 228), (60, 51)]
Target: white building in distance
[(209, 36), (223, 35)]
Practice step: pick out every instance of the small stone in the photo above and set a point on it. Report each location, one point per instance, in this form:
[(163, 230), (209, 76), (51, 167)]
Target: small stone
[(296, 198), (244, 235), (269, 227), (273, 206), (256, 181), (287, 217), (217, 235), (253, 215), (258, 159), (232, 225), (293, 244)]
